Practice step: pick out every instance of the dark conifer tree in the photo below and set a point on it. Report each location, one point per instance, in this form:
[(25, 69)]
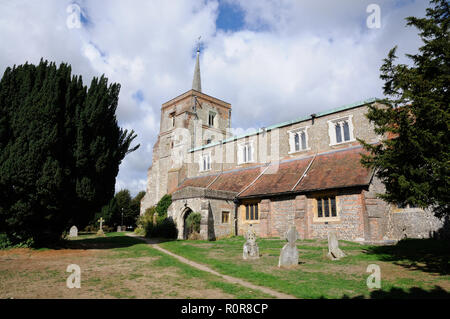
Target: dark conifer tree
[(60, 150), (413, 161)]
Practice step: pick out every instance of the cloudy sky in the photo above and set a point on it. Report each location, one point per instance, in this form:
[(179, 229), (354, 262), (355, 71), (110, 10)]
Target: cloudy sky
[(273, 60)]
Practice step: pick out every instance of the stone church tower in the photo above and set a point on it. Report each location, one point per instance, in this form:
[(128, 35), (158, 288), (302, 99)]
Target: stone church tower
[(189, 120)]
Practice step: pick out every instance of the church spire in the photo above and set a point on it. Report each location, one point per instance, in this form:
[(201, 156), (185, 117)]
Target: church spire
[(196, 82)]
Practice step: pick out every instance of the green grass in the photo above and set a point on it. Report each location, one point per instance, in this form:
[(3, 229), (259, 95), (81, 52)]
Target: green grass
[(129, 247), (316, 276)]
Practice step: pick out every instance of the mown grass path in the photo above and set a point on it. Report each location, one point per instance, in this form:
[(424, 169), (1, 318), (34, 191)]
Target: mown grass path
[(154, 244)]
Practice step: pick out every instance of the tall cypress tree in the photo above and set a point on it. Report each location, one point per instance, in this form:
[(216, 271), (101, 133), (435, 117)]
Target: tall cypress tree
[(60, 150), (413, 161)]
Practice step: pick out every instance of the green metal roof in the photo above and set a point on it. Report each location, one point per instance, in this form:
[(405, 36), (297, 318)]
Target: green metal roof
[(286, 123)]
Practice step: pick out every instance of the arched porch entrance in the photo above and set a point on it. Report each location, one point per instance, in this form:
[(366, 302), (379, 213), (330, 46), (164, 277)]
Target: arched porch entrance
[(186, 213)]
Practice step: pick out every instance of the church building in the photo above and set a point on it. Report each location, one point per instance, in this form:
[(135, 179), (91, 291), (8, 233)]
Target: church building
[(304, 172)]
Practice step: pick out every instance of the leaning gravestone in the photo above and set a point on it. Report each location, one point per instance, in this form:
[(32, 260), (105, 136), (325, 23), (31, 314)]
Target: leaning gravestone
[(250, 250), (334, 252), (289, 253), (73, 231)]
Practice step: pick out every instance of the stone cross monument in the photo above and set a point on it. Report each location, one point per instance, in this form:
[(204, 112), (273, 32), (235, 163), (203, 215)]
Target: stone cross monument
[(289, 253), (250, 250), (100, 231)]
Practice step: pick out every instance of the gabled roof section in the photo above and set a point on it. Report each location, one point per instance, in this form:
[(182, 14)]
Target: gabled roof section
[(338, 169), (330, 170), (278, 178)]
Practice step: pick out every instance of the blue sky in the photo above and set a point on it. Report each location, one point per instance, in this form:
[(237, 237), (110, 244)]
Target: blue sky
[(273, 60), (230, 17)]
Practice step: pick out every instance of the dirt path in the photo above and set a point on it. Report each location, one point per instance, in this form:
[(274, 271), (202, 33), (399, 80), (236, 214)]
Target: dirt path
[(234, 280)]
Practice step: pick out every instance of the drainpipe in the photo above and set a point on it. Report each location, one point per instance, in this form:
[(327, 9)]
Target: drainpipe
[(236, 214)]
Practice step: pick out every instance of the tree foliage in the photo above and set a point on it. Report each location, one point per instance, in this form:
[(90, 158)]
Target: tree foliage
[(60, 150), (413, 160), (163, 205)]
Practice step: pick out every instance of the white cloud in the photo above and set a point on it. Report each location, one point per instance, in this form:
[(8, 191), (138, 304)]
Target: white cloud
[(291, 59)]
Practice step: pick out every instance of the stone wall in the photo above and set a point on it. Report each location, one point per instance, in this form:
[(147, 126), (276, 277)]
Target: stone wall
[(349, 224), (210, 204)]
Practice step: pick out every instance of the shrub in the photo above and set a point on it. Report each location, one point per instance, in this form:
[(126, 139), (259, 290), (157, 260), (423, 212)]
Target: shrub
[(90, 229), (165, 228), (163, 205), (6, 243), (139, 230), (146, 219), (193, 223)]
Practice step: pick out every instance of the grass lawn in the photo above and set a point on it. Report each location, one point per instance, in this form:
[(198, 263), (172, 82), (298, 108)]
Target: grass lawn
[(410, 269), (115, 266)]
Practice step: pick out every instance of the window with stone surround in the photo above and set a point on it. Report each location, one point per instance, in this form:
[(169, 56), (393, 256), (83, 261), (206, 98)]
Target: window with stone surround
[(326, 208), (205, 162), (251, 212), (298, 140), (172, 115), (211, 118), (225, 217), (245, 153), (341, 130)]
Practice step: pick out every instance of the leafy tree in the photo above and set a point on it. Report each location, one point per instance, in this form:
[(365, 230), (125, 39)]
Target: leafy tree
[(136, 205), (108, 212), (60, 150), (123, 200), (413, 160)]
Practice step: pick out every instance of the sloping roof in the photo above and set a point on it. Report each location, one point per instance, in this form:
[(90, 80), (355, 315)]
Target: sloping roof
[(236, 180), (330, 170), (336, 170), (279, 178)]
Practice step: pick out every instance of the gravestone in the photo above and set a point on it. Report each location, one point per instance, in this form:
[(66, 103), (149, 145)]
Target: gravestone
[(100, 231), (289, 253), (119, 229), (334, 252), (73, 231), (250, 250)]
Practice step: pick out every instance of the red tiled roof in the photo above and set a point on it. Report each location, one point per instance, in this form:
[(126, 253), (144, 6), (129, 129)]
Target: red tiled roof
[(202, 181), (336, 169), (235, 181), (279, 179)]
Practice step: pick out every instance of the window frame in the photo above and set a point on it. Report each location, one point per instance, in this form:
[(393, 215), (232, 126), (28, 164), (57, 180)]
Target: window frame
[(213, 114), (202, 162), (328, 197), (332, 130), (298, 132), (248, 210), (226, 213), (172, 115), (241, 159)]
